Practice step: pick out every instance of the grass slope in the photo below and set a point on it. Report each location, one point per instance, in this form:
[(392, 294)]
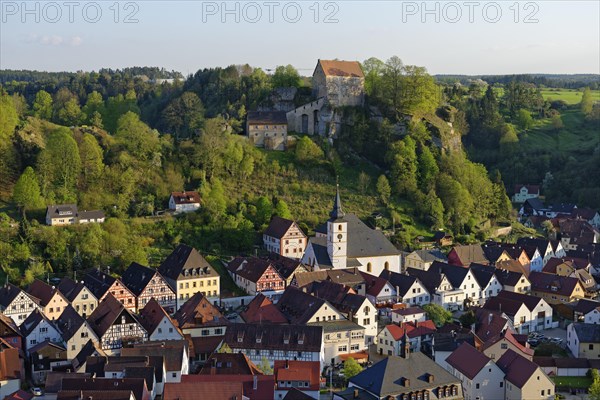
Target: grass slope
[(571, 96)]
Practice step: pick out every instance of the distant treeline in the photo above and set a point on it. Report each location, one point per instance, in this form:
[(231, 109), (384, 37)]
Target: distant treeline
[(574, 81), (8, 75)]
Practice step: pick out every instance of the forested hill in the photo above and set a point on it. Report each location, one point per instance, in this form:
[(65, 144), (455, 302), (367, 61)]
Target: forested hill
[(119, 142), (566, 81)]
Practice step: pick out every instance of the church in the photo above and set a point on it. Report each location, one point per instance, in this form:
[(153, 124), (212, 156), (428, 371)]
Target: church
[(346, 242)]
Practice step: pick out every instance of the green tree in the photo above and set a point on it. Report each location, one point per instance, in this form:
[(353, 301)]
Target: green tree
[(42, 105), (213, 196), (307, 150), (137, 137), (468, 319), (26, 193), (91, 156), (364, 180), (557, 122), (286, 76), (428, 169), (402, 158), (8, 118), (265, 367), (282, 210), (587, 103), (383, 189), (211, 145), (264, 211), (524, 119), (438, 314), (457, 201), (94, 104), (351, 368), (594, 389), (420, 93), (59, 164), (184, 116)]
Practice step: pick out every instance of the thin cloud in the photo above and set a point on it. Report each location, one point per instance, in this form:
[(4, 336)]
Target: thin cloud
[(53, 40)]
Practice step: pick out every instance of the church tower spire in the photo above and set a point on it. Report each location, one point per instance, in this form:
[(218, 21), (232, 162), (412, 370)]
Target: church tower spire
[(337, 211)]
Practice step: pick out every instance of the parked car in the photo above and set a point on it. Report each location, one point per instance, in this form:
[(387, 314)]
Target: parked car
[(37, 391)]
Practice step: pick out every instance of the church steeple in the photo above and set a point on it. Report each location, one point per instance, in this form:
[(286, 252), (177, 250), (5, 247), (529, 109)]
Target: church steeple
[(406, 344), (337, 211)]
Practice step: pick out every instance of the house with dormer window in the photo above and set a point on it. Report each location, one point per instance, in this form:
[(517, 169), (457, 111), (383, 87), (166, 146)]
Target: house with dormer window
[(188, 272), (276, 342)]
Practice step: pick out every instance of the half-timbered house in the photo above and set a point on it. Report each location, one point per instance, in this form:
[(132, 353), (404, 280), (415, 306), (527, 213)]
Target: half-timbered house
[(255, 275), (114, 324), (16, 303), (147, 283), (101, 284)]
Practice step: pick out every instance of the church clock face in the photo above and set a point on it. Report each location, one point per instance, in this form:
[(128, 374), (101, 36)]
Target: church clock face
[(340, 236)]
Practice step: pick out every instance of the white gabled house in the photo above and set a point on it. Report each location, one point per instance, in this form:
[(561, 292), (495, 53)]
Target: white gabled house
[(37, 329)]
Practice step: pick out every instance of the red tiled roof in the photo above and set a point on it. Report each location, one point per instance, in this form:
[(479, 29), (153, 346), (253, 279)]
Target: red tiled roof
[(205, 390), (265, 388), (307, 371), (186, 197), (341, 68), (262, 309), (413, 329)]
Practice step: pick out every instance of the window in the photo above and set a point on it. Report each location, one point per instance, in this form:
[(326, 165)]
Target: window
[(504, 346), (174, 374), (477, 386), (501, 384), (591, 347)]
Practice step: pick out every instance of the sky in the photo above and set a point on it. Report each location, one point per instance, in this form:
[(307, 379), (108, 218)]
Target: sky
[(460, 37)]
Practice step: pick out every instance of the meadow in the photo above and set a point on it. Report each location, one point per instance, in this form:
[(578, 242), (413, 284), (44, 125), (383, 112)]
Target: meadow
[(570, 96)]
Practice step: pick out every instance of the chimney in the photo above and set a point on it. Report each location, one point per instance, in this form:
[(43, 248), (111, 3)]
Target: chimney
[(430, 378), (355, 394), (406, 382), (287, 364), (255, 382), (490, 316)]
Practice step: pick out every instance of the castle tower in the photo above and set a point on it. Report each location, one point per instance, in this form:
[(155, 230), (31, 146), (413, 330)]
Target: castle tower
[(337, 234)]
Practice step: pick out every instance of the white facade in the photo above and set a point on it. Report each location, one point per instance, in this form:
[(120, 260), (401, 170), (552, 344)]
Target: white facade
[(45, 330), (182, 208), (522, 195), (417, 294), (387, 292), (537, 262), (416, 317), (342, 342), (165, 330), (593, 317), (20, 308), (488, 384), (388, 346), (492, 289), (366, 316)]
